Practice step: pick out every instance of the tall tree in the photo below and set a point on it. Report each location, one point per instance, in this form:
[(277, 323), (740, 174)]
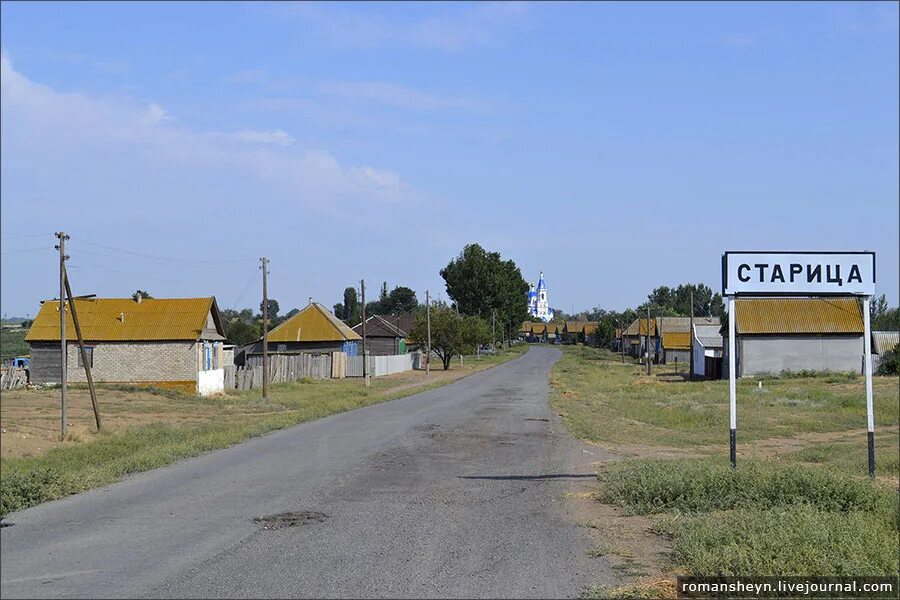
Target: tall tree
[(350, 306), (480, 282), (273, 308), (401, 299)]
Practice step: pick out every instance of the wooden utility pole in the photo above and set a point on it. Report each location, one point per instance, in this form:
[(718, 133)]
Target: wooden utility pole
[(84, 356), (62, 331), (648, 338), (428, 323), (494, 330), (362, 289), (265, 365), (622, 339), (691, 374)]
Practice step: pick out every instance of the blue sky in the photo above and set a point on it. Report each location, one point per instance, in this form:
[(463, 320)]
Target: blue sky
[(615, 146)]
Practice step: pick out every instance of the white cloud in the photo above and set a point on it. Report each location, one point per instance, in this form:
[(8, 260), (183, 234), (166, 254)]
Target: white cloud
[(396, 95), (44, 125)]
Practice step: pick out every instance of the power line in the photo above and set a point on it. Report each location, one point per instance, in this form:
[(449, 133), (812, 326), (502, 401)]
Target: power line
[(29, 235), (26, 250), (168, 258), (244, 289), (129, 273)]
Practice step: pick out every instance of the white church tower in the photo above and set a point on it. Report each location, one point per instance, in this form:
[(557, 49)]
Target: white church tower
[(538, 304)]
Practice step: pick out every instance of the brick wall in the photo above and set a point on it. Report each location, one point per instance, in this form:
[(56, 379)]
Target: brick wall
[(121, 362)]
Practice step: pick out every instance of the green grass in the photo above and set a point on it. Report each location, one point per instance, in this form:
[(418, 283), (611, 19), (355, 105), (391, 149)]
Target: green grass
[(12, 343), (793, 506), (70, 469)]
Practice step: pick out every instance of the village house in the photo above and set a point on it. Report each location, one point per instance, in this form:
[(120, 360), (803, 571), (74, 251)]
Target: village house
[(313, 330), (164, 342), (676, 336), (384, 335), (775, 335), (635, 339)]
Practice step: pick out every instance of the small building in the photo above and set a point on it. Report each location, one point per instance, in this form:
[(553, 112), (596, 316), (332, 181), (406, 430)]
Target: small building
[(165, 342), (676, 336), (636, 338), (227, 354), (776, 335), (383, 336), (708, 351), (313, 330)]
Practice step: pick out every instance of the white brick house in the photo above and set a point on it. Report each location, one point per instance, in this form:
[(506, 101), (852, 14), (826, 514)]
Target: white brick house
[(165, 342)]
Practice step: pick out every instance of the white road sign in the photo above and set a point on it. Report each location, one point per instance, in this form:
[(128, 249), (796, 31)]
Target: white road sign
[(798, 273)]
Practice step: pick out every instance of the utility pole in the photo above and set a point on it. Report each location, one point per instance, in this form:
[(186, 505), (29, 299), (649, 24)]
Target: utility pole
[(691, 374), (62, 331), (362, 289), (265, 365), (428, 321), (494, 330), (84, 356), (622, 339), (648, 338), (460, 350)]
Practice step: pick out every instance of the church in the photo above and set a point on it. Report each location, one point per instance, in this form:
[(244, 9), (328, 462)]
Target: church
[(538, 306)]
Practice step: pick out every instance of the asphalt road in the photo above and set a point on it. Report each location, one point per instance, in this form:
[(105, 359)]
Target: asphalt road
[(454, 492)]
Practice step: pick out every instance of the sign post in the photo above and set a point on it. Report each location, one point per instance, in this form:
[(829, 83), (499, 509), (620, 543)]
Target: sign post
[(798, 274)]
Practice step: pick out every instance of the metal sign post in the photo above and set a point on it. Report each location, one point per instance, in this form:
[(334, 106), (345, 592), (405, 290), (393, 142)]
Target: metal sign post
[(803, 274)]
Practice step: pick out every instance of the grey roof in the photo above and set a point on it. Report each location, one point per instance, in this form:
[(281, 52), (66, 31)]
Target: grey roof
[(884, 341), (683, 324), (708, 335)]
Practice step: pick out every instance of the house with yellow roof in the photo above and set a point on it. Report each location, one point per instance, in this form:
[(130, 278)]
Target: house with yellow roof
[(775, 335), (164, 342), (313, 330)]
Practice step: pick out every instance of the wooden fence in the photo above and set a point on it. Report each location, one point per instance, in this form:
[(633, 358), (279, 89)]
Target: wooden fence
[(286, 367), (12, 378)]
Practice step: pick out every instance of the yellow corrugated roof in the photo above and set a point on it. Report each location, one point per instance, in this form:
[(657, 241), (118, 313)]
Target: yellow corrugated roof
[(315, 323), (123, 319), (590, 327), (798, 315), (538, 328), (526, 327), (676, 340), (575, 326), (639, 327)]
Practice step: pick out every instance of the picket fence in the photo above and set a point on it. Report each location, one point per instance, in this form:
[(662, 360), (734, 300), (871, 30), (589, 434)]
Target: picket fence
[(12, 378)]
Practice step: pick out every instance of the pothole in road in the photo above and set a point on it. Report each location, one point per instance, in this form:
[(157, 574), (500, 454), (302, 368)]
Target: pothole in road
[(290, 519), (544, 420), (6, 524)]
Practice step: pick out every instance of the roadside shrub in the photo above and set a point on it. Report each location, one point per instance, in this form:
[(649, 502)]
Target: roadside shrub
[(890, 362), (800, 540), (21, 490), (700, 486)]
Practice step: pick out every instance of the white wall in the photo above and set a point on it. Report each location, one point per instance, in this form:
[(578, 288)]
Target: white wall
[(211, 382), (774, 354)]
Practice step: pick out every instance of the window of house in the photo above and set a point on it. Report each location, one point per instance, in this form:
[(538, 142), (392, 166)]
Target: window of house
[(89, 350), (282, 347), (207, 356)]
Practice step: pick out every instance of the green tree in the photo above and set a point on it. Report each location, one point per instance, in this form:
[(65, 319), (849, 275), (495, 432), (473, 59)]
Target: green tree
[(401, 299), (273, 309), (883, 318), (451, 334), (350, 306), (240, 332), (481, 284)]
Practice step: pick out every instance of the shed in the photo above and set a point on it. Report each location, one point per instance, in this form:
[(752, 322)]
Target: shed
[(313, 330), (165, 342), (383, 336), (708, 351), (775, 335), (676, 336), (635, 337)]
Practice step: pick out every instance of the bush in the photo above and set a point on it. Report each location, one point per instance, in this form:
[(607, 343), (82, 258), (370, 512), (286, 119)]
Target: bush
[(21, 490), (800, 540), (699, 486), (890, 363)]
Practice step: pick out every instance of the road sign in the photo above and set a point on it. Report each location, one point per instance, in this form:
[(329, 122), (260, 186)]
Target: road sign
[(798, 273), (756, 273)]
